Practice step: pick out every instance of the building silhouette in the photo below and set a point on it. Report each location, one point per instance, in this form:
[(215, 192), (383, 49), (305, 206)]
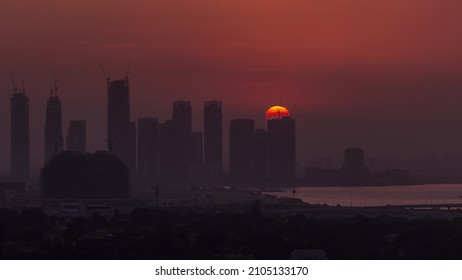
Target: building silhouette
[(131, 147), (354, 170), (241, 148), (182, 124), (281, 146), (148, 151), (353, 157), (53, 126), (167, 150), (20, 143), (121, 133), (76, 136), (196, 147), (75, 175), (213, 135), (261, 154)]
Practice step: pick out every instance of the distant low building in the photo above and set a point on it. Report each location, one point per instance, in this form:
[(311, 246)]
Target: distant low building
[(354, 170), (72, 210), (82, 176)]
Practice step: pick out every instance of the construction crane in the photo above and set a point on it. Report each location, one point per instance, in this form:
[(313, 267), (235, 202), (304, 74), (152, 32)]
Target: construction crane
[(293, 109), (106, 76)]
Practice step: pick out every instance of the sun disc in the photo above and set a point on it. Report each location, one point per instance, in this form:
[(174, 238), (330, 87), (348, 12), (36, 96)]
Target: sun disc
[(276, 112)]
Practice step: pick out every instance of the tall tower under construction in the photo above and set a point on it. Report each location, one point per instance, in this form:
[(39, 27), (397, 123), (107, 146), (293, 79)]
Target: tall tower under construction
[(20, 151), (121, 133)]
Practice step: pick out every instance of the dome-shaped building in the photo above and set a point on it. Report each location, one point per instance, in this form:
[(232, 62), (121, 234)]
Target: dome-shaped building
[(83, 176)]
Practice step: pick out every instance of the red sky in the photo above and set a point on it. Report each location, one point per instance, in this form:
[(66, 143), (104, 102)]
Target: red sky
[(384, 74)]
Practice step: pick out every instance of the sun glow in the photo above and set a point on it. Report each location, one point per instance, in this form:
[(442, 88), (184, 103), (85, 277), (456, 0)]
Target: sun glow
[(276, 112)]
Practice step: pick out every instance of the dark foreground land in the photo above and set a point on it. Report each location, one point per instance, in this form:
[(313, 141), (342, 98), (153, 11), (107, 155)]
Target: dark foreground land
[(159, 234)]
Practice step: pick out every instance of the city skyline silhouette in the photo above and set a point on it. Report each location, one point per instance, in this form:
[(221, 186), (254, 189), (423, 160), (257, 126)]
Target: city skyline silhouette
[(231, 129), (377, 76), (302, 163)]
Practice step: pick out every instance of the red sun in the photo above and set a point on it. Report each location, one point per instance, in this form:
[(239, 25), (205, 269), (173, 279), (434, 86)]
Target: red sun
[(276, 112)]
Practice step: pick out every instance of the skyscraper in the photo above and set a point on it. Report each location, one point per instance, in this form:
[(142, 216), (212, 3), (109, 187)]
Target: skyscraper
[(53, 126), (76, 136), (121, 134), (182, 123), (182, 115), (131, 147), (281, 146), (213, 134), (20, 158), (241, 148), (261, 154), (148, 157), (167, 150), (196, 147)]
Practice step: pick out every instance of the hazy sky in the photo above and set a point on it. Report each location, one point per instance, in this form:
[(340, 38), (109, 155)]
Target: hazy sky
[(384, 74)]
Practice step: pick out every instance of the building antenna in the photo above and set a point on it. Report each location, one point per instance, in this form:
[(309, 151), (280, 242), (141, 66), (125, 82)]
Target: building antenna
[(106, 76), (23, 86), (128, 67), (293, 109), (13, 83)]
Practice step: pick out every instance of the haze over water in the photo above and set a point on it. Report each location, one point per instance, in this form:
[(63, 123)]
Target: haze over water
[(378, 195)]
